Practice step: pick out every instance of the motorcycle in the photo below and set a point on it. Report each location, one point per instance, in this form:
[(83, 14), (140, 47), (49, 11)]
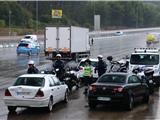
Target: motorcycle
[(147, 77), (117, 66), (71, 80)]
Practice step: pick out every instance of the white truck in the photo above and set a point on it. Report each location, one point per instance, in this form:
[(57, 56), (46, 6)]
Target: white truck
[(146, 58), (71, 42)]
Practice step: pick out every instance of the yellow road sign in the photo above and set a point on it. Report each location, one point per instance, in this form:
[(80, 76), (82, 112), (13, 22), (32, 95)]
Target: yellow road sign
[(56, 13)]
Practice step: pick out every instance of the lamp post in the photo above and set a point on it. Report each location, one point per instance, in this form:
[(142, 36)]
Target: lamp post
[(9, 22), (36, 16)]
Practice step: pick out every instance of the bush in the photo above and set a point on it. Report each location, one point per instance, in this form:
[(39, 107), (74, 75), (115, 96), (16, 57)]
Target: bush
[(2, 23)]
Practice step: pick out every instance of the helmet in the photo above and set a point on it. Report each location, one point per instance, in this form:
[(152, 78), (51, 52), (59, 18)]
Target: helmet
[(58, 55), (31, 62), (100, 56), (88, 61), (109, 58)]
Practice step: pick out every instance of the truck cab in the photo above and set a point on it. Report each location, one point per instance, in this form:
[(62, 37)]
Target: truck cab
[(146, 58)]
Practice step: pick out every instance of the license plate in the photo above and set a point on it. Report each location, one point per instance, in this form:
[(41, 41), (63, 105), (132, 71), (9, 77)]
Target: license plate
[(23, 93), (104, 98)]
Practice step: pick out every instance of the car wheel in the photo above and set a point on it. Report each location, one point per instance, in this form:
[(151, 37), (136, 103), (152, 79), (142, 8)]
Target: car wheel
[(130, 103), (29, 53), (66, 97), (12, 108), (92, 105), (50, 105), (146, 97)]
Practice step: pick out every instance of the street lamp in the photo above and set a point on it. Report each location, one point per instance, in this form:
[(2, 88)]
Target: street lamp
[(37, 16), (10, 12)]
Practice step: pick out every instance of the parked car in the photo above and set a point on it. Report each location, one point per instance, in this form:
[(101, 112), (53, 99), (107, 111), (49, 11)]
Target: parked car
[(35, 90), (28, 48), (81, 64), (124, 88), (118, 33)]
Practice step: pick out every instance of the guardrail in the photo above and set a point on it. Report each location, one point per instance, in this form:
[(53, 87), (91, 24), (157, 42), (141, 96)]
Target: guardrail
[(111, 32)]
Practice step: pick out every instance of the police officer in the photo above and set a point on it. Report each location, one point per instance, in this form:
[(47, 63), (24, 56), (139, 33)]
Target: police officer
[(87, 74), (31, 68), (101, 66), (58, 66)]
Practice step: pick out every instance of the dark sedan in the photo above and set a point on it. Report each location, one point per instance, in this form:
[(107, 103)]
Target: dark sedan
[(124, 88)]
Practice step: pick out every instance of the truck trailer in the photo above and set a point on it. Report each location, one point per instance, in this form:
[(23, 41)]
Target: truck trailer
[(71, 42)]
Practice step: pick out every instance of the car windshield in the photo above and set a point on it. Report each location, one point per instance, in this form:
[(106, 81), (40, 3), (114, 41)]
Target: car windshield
[(112, 79), (144, 59), (30, 81), (93, 63)]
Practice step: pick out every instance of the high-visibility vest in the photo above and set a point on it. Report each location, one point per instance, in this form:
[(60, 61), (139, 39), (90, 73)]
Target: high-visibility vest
[(87, 71)]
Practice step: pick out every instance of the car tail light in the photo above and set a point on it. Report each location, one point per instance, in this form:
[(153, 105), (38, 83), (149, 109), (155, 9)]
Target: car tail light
[(26, 46), (118, 89), (92, 88), (39, 93), (7, 93)]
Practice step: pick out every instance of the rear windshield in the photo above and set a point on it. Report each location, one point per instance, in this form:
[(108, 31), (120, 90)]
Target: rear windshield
[(30, 81), (93, 63), (27, 37), (23, 45), (112, 79)]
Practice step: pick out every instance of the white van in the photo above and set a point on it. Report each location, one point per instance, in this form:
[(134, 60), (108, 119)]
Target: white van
[(146, 58)]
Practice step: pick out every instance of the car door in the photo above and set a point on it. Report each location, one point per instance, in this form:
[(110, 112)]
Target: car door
[(135, 86), (57, 84), (53, 89)]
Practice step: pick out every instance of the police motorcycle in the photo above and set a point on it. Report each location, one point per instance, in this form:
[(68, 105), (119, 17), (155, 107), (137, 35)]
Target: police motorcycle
[(118, 66), (70, 78), (146, 75)]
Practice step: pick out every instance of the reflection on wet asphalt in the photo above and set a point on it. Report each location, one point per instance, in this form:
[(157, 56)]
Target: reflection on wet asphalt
[(77, 109), (12, 65)]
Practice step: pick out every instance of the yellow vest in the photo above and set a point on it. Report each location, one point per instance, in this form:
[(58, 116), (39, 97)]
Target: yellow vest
[(87, 71)]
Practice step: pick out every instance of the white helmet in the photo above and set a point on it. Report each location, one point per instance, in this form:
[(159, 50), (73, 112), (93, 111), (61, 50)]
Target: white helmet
[(58, 55), (31, 62), (100, 56)]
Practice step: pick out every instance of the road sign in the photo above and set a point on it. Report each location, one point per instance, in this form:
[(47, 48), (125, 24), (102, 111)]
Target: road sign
[(56, 13)]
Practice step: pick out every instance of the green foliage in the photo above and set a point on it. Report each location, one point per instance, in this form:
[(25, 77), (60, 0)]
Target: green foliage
[(119, 14), (2, 23)]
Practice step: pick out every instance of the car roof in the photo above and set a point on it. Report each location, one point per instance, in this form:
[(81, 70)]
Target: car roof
[(139, 53), (36, 75), (118, 73), (91, 59)]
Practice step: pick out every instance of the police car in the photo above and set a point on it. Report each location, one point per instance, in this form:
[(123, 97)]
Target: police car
[(146, 58)]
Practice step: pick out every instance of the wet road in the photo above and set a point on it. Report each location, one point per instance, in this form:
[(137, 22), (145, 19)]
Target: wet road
[(77, 109)]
